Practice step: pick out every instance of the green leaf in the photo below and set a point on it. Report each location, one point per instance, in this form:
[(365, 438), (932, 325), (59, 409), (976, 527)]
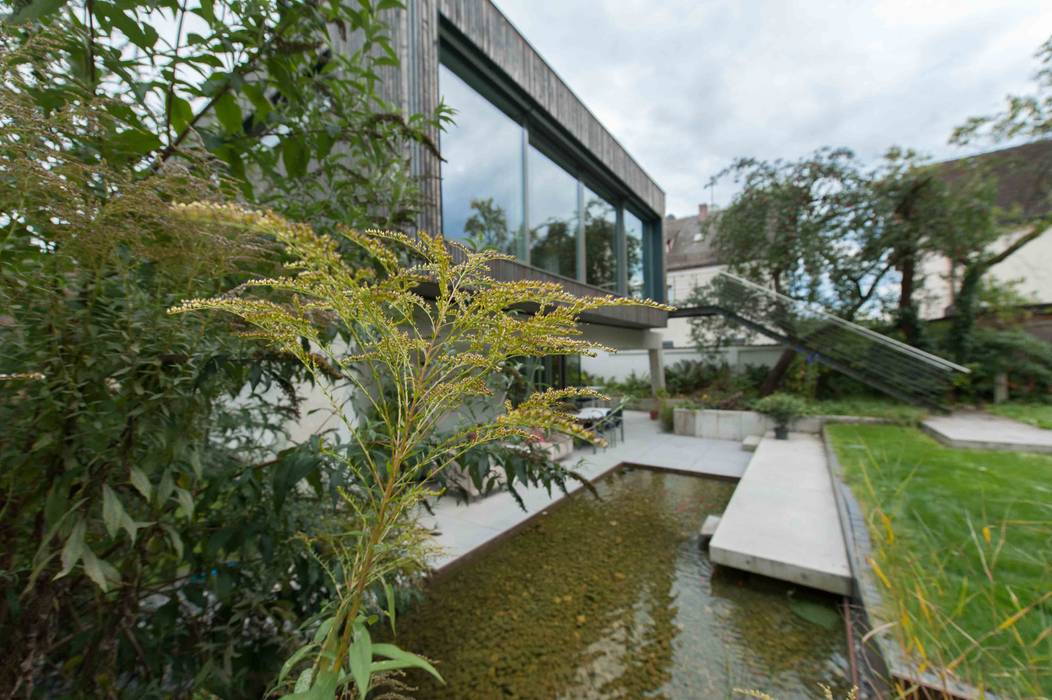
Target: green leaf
[(164, 489), (134, 141), (186, 501), (325, 687), (295, 659), (294, 155), (360, 656), (93, 566), (181, 112), (229, 113), (141, 482), (303, 682), (400, 659), (73, 550), (815, 613), (112, 511), (323, 629), (34, 11), (175, 539)]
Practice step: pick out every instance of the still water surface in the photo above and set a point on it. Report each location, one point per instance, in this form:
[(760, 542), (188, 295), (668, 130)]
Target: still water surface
[(614, 598)]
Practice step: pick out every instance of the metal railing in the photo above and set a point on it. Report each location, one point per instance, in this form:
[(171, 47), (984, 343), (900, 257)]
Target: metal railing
[(886, 364)]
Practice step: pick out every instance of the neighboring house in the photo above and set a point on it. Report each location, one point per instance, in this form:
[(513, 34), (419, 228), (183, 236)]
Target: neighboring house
[(691, 261), (528, 169), (1024, 191)]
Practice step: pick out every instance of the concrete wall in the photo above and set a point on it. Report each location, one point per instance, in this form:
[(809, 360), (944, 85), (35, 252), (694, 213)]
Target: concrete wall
[(620, 365)]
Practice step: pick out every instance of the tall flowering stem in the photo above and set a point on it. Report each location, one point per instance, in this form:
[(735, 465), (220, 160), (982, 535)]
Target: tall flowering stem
[(421, 331)]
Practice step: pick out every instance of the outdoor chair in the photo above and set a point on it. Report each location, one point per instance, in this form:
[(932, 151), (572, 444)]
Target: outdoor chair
[(610, 425)]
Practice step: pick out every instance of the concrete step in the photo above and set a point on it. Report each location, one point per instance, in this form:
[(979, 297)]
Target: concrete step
[(782, 520), (751, 442)]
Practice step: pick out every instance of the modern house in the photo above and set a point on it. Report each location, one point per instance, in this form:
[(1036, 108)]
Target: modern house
[(528, 169)]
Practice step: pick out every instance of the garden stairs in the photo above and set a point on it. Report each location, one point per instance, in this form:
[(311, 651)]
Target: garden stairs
[(885, 364)]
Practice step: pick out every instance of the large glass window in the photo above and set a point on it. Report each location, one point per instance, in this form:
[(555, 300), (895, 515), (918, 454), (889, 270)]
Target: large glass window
[(634, 254), (600, 235), (553, 215), (482, 175)]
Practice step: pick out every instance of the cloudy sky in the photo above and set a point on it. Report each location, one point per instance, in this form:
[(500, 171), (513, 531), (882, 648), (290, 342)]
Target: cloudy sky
[(688, 85)]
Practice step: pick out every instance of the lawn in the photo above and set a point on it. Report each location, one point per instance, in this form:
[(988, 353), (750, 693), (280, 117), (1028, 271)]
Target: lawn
[(1039, 414), (894, 411), (963, 546)]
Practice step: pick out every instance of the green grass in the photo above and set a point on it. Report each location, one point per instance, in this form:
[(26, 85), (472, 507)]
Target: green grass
[(963, 542), (895, 411), (1039, 414)]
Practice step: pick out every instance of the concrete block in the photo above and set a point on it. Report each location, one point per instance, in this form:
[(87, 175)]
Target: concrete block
[(754, 423), (751, 442), (808, 424), (728, 425), (683, 421), (707, 424), (708, 528)]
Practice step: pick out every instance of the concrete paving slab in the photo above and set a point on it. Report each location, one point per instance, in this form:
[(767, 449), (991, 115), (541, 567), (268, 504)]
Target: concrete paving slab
[(982, 431), (782, 520), (461, 528)]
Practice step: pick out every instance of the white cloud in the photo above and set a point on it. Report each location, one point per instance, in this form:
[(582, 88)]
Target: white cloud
[(686, 86)]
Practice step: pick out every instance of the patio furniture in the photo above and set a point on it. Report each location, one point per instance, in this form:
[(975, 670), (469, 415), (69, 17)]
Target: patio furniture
[(604, 421)]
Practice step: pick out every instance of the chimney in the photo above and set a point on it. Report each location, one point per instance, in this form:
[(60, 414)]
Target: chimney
[(703, 212)]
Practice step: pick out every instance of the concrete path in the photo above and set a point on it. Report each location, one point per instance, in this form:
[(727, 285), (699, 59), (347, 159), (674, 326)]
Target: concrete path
[(462, 528), (982, 431), (782, 520)]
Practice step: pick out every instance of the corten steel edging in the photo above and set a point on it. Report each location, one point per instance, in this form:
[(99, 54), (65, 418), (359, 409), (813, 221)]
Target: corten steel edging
[(889, 659)]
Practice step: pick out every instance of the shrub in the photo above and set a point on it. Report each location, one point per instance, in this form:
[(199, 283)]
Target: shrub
[(667, 417), (782, 408)]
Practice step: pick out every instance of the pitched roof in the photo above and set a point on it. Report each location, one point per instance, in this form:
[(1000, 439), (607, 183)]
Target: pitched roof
[(1023, 175), (688, 241)]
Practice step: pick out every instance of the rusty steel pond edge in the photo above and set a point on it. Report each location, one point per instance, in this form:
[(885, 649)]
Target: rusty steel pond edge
[(885, 657), (501, 537)]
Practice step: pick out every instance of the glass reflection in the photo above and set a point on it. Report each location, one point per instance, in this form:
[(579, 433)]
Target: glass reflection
[(553, 216), (600, 227), (482, 175), (634, 254)]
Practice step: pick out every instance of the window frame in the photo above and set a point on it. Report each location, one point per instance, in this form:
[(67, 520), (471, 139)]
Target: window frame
[(540, 130)]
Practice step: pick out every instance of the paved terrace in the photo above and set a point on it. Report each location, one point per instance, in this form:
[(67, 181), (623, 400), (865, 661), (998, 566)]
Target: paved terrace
[(982, 431), (463, 528)]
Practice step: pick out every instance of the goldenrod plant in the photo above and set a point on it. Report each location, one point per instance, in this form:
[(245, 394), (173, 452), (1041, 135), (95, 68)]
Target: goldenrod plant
[(421, 331)]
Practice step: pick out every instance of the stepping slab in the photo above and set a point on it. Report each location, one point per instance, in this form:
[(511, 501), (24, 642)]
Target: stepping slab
[(782, 520), (708, 528), (981, 431), (751, 442)]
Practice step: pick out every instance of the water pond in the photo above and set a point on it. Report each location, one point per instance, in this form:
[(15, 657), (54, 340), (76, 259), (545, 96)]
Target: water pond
[(614, 598)]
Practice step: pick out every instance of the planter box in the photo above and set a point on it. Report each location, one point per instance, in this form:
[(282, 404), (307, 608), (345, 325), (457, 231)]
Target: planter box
[(737, 425)]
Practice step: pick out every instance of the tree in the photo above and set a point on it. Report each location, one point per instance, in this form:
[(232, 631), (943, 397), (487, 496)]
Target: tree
[(1025, 118), (147, 516), (285, 95), (810, 229)]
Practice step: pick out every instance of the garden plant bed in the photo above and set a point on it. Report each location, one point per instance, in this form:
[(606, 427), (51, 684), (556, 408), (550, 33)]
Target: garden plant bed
[(959, 553)]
